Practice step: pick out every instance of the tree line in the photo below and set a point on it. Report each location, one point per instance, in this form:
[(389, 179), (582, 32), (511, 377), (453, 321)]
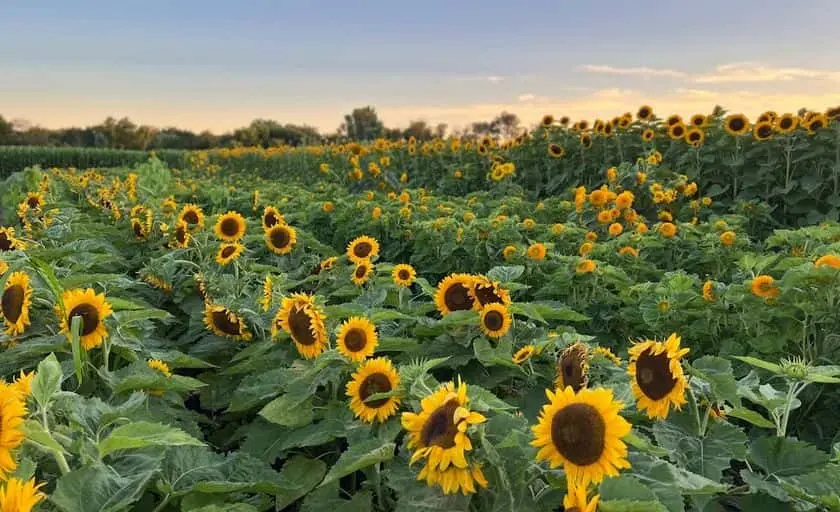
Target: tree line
[(362, 124)]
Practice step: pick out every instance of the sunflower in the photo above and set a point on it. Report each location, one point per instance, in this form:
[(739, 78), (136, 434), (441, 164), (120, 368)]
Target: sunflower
[(576, 498), (193, 215), (35, 200), (608, 354), (92, 309), (357, 338), (764, 287), (816, 123), (374, 376), (362, 272), (12, 413), (547, 120), (225, 323), (645, 113), (673, 120), (787, 123), (523, 354), (768, 116), (727, 238), (281, 238), (304, 321), (19, 496), (667, 229), (763, 130), (509, 252), (139, 229), (536, 251), (736, 124), (629, 251), (697, 120), (586, 140), (616, 229), (15, 304), (495, 320), (230, 227), (582, 432), (607, 129), (404, 275), (585, 266), (572, 368), (362, 248), (709, 291), (676, 131), (228, 253), (439, 433), (657, 378), (453, 293), (4, 267), (168, 206), (556, 150), (695, 136), (485, 291), (181, 236), (648, 135), (453, 479), (160, 367), (328, 263), (271, 217), (828, 260)]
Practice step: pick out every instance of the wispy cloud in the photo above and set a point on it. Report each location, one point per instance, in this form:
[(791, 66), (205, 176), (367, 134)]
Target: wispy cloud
[(736, 72), (633, 71), (493, 79), (527, 97)]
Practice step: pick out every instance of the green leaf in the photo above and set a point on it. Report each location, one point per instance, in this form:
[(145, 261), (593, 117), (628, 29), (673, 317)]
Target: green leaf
[(383, 315), (98, 488), (36, 434), (527, 309), (505, 274), (140, 434), (153, 380), (625, 487), (47, 381), (750, 416), (643, 444), (717, 371), (359, 456), (129, 317), (630, 506), (288, 411), (785, 456), (483, 400), (299, 475), (758, 363)]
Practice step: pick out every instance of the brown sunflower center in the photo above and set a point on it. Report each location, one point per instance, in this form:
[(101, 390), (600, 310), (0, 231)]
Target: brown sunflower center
[(12, 302), (181, 235), (223, 322), (440, 428), (33, 202), (362, 249), (5, 242), (229, 227), (190, 217), (457, 298), (361, 271), (89, 315), (355, 340), (228, 251), (737, 124), (785, 123), (572, 369), (494, 320), (138, 229), (487, 295), (644, 113), (373, 384), (653, 375), (404, 274), (270, 219), (578, 433), (815, 124), (678, 131), (300, 323), (694, 136), (280, 238), (764, 131)]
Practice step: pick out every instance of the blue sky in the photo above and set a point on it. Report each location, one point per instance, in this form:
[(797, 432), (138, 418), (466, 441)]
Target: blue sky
[(217, 65)]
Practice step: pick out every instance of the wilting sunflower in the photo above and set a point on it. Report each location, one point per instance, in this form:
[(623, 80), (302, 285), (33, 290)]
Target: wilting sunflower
[(271, 217), (92, 309), (697, 120), (576, 498), (281, 238), (453, 293), (695, 136), (362, 248), (374, 376), (764, 286), (583, 432), (816, 123), (230, 227), (19, 496), (763, 130), (357, 339), (138, 227), (556, 150), (362, 272), (403, 275), (228, 253), (439, 433), (586, 140), (181, 236), (787, 123), (676, 131), (12, 413), (225, 323), (523, 354), (572, 368), (16, 300), (304, 321), (193, 215), (736, 124), (495, 320), (657, 377), (34, 200), (485, 291), (645, 113), (648, 135)]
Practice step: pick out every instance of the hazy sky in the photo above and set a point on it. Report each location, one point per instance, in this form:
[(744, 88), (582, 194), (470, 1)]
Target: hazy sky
[(218, 64)]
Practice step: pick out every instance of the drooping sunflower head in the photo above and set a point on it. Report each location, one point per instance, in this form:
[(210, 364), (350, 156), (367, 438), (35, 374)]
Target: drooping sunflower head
[(159, 366), (225, 323), (709, 294), (645, 113), (271, 217), (495, 320), (357, 339), (583, 432), (572, 369), (485, 291), (181, 236), (657, 378), (672, 120), (586, 140), (303, 320), (736, 124), (229, 253), (138, 227), (362, 272), (193, 215), (403, 275), (453, 293), (230, 227), (362, 248), (280, 238), (92, 309), (15, 303), (374, 376)]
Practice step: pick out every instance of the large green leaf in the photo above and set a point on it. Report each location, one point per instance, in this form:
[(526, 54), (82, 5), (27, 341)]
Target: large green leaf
[(47, 381), (288, 411), (358, 457), (784, 456), (140, 434), (98, 488), (717, 371)]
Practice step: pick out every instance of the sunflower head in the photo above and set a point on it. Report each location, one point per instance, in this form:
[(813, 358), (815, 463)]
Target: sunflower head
[(485, 291), (586, 140), (645, 113), (585, 266), (787, 123), (709, 294), (676, 131), (695, 136), (362, 248), (697, 120), (648, 135), (495, 320), (556, 150), (193, 215), (657, 378), (763, 130), (357, 339), (92, 309), (816, 123), (374, 376), (764, 286), (230, 227), (572, 368), (736, 124), (537, 251), (228, 253), (303, 320), (404, 275), (280, 238), (34, 200), (362, 272), (15, 303), (271, 217), (225, 323), (523, 354), (453, 293), (159, 366), (672, 120), (19, 496)]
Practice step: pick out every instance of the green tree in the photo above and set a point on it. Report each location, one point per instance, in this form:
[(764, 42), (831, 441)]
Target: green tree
[(362, 124)]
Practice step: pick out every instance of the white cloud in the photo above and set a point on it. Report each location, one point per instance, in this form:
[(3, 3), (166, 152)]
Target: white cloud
[(527, 97), (493, 79), (757, 72), (633, 71)]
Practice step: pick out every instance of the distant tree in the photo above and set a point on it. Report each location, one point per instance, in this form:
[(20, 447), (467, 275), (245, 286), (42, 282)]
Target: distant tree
[(440, 130), (506, 125), (362, 124), (419, 130), (7, 131)]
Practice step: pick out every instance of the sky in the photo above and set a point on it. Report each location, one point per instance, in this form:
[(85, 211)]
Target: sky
[(219, 64)]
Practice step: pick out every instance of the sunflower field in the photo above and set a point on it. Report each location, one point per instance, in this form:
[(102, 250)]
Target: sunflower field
[(637, 314)]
